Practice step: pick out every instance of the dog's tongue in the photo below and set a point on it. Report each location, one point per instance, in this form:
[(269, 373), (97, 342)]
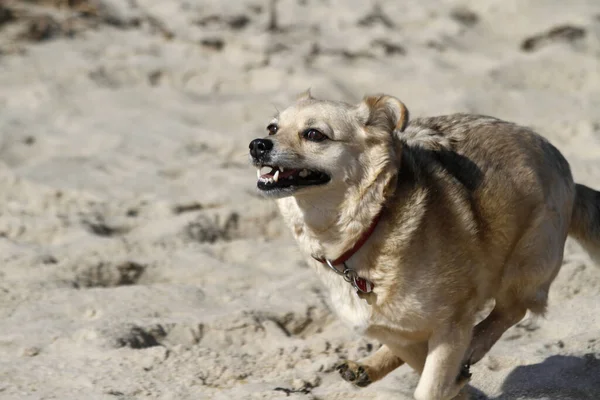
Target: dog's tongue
[(287, 172)]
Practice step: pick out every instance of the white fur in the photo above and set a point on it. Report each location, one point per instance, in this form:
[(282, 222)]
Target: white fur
[(352, 310)]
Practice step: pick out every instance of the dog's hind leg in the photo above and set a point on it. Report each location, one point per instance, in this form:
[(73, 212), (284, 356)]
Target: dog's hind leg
[(526, 281), (370, 369), (508, 311), (488, 331)]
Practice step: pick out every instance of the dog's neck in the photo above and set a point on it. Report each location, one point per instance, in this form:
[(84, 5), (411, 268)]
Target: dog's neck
[(329, 224)]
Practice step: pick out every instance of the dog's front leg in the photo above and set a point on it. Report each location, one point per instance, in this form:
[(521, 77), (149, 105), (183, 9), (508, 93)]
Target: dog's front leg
[(442, 378), (371, 368)]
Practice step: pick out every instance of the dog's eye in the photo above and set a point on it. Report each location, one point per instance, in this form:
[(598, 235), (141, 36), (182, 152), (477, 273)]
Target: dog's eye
[(272, 129), (314, 135)]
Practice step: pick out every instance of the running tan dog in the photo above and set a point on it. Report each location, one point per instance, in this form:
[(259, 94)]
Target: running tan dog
[(414, 225)]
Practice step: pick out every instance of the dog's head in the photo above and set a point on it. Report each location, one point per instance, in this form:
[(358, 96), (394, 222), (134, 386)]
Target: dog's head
[(315, 145)]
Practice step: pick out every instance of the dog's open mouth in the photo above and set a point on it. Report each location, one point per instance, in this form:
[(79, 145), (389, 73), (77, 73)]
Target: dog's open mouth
[(281, 178)]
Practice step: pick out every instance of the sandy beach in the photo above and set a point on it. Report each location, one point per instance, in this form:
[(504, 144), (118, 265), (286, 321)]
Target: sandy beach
[(138, 262)]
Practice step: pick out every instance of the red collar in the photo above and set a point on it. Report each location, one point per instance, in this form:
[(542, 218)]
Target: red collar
[(346, 256), (361, 285)]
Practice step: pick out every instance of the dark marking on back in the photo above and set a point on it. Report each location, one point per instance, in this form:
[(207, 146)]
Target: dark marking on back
[(429, 167), (456, 165)]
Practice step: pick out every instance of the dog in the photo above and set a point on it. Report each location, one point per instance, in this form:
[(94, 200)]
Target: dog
[(414, 225)]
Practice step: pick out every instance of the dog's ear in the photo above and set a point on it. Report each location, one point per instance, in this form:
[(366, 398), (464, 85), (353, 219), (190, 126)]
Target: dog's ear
[(304, 96), (382, 111)]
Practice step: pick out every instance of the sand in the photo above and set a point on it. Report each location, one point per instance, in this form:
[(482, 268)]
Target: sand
[(137, 261)]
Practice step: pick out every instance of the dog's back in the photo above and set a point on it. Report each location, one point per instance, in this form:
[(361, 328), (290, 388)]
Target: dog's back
[(520, 192)]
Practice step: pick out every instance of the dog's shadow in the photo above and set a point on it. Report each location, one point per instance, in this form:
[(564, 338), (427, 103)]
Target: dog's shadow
[(556, 378)]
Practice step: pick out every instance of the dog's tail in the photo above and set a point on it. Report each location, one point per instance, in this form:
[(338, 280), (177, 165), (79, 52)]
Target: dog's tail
[(585, 222)]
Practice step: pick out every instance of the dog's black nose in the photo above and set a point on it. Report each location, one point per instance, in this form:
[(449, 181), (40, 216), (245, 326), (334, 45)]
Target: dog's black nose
[(259, 147)]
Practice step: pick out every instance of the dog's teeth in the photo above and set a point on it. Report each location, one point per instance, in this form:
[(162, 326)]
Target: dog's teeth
[(303, 173), (281, 169), (258, 173), (276, 176)]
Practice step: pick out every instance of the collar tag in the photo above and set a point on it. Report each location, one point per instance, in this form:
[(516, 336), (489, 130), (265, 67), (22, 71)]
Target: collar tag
[(361, 285)]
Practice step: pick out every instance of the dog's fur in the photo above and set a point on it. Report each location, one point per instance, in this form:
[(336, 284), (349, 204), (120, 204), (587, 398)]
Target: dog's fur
[(473, 209)]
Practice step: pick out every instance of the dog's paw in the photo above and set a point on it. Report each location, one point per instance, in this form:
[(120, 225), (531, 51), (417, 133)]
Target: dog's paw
[(354, 373)]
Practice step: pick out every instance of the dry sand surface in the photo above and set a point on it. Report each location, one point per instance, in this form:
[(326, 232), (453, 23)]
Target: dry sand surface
[(137, 261)]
